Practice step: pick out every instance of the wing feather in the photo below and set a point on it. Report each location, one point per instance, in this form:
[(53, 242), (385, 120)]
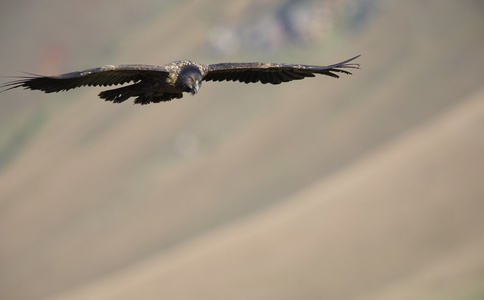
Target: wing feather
[(273, 73), (245, 77), (102, 76)]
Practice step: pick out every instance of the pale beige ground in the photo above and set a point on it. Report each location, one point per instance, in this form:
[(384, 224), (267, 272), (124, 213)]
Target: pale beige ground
[(324, 237), (365, 187)]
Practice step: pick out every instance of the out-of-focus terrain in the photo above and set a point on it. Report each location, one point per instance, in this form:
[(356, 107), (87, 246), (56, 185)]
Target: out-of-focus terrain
[(366, 187)]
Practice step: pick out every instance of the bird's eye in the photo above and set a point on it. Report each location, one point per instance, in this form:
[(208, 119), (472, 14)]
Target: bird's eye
[(191, 80)]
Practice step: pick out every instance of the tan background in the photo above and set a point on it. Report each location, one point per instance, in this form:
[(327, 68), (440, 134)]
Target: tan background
[(366, 187)]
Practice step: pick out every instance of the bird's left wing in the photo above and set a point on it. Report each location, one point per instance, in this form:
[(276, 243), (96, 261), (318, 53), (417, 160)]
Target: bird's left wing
[(102, 76), (273, 73)]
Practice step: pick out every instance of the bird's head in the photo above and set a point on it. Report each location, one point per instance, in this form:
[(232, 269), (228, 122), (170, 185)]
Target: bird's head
[(189, 79)]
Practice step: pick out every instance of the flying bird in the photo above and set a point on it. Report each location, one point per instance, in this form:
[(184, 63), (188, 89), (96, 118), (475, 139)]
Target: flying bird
[(154, 84)]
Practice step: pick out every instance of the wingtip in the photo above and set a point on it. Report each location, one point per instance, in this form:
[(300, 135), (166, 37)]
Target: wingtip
[(352, 65), (351, 59)]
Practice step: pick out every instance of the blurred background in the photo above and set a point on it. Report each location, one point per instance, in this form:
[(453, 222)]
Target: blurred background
[(370, 186)]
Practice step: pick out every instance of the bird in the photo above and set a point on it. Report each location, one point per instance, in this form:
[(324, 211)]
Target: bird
[(160, 83)]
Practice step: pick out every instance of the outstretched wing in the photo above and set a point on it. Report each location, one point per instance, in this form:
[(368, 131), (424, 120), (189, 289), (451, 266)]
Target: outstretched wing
[(103, 76), (273, 73)]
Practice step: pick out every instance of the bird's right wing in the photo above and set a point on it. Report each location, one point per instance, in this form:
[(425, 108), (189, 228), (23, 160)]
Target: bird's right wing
[(102, 76)]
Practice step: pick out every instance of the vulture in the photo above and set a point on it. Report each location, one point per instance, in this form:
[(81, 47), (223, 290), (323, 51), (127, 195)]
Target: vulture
[(158, 83)]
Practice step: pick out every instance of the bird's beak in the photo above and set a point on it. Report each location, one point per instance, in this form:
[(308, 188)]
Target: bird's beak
[(196, 87)]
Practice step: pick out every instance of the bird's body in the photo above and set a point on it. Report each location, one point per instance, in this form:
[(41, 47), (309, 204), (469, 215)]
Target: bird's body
[(153, 84)]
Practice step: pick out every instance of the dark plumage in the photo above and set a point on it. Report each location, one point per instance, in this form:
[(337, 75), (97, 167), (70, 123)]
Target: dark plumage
[(153, 84)]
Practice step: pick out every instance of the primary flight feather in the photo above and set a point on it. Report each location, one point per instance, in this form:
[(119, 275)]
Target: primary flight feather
[(154, 84)]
